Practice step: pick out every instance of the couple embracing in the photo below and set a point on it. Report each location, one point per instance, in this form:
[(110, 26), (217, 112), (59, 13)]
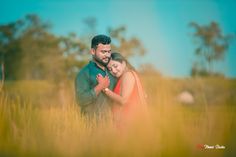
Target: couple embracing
[(109, 84)]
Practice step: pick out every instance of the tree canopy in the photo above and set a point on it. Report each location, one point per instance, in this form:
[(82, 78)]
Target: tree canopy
[(212, 44), (29, 50)]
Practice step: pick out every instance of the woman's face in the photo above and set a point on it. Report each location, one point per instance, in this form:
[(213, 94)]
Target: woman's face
[(116, 68)]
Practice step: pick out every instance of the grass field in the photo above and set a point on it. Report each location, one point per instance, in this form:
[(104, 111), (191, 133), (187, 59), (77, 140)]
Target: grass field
[(40, 119)]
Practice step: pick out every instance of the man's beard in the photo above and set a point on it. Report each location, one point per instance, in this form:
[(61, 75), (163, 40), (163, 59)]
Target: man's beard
[(99, 61)]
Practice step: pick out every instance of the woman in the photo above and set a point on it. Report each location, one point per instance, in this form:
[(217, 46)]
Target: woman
[(128, 93)]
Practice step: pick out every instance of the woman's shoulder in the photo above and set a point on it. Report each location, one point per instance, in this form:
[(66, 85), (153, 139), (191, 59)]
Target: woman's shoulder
[(128, 76)]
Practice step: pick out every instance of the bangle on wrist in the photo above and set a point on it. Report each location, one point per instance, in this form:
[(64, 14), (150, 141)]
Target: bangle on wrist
[(105, 90)]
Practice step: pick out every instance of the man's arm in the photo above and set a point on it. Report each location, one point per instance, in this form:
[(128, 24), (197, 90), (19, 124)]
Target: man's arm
[(103, 82), (85, 95)]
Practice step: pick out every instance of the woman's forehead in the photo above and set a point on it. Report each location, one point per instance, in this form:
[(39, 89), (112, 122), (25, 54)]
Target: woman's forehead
[(114, 61)]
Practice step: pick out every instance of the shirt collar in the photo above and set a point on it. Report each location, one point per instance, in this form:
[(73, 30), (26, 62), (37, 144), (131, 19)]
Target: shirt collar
[(94, 63)]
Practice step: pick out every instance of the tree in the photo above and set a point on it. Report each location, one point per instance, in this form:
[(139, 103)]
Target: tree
[(75, 54), (126, 46), (28, 45), (8, 44), (212, 45), (28, 50)]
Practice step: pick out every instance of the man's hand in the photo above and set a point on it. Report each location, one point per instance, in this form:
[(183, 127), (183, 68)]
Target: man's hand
[(103, 82)]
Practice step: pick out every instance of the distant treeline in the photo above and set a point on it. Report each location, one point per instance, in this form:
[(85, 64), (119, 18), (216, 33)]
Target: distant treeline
[(30, 51)]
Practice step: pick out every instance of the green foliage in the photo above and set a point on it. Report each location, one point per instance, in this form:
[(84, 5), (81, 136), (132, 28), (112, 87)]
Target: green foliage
[(212, 45), (28, 50), (126, 46), (196, 71)]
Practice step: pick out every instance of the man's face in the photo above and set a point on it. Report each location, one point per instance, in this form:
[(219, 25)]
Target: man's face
[(102, 54)]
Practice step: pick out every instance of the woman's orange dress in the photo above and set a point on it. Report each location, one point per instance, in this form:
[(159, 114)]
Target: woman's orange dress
[(135, 105)]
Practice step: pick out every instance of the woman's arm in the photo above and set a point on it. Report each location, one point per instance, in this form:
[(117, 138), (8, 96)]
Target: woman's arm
[(114, 96), (127, 85)]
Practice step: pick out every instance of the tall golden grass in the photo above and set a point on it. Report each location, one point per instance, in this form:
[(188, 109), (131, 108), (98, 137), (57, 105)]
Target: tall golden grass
[(172, 129)]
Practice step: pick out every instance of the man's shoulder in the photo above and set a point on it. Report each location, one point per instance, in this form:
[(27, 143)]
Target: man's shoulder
[(111, 76), (84, 70)]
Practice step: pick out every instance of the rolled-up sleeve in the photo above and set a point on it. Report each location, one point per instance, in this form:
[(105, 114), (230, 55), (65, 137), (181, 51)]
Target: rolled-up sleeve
[(85, 95)]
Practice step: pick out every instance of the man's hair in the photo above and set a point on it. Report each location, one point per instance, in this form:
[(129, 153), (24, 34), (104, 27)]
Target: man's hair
[(100, 39)]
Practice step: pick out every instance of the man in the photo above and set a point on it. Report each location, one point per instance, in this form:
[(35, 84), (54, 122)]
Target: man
[(89, 95)]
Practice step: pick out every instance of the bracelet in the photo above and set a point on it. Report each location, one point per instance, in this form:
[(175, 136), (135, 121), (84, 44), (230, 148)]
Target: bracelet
[(105, 90)]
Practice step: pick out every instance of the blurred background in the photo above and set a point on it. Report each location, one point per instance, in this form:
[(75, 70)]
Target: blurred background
[(184, 51)]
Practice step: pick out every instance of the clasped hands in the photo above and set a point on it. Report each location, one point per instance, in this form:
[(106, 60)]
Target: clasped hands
[(103, 82)]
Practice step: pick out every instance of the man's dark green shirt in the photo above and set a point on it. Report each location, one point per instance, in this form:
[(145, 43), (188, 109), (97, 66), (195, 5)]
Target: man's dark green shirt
[(85, 94)]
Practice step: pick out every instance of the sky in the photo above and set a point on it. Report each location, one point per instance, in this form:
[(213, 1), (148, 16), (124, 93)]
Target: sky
[(161, 25)]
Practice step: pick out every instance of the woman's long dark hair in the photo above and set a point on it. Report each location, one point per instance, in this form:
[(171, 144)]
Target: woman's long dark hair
[(119, 58)]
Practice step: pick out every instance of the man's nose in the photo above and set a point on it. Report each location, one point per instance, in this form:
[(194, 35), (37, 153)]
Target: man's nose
[(114, 71), (108, 55)]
